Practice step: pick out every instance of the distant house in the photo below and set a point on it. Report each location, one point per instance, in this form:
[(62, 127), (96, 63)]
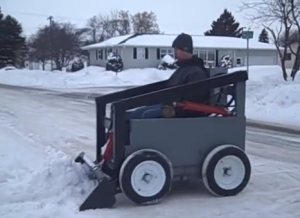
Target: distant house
[(146, 50)]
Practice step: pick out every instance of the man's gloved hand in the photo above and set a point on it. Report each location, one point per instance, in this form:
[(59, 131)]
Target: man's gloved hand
[(168, 111)]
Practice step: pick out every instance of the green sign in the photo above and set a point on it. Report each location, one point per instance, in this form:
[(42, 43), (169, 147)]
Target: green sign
[(247, 34)]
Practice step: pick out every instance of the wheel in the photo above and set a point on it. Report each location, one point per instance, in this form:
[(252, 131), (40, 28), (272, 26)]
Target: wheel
[(226, 171), (146, 176)]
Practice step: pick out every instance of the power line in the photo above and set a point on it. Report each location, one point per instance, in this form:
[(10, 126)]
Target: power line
[(85, 19), (45, 15), (163, 25)]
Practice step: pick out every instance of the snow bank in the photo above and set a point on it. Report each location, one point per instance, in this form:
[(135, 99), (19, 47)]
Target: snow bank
[(87, 77), (98, 77), (138, 77), (37, 180), (8, 68), (272, 99)]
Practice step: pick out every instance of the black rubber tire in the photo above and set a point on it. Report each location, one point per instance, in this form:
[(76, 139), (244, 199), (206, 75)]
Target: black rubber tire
[(130, 164), (208, 171)]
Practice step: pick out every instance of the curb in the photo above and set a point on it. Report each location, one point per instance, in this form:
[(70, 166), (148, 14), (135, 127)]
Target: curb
[(274, 127)]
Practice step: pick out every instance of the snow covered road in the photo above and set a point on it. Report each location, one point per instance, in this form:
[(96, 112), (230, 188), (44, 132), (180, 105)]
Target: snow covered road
[(40, 131)]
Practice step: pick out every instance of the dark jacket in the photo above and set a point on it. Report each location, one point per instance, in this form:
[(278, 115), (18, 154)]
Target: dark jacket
[(190, 71)]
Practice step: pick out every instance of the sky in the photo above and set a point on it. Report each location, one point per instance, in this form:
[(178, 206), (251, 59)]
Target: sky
[(174, 16)]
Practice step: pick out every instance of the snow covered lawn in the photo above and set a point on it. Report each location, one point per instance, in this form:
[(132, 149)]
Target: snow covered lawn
[(269, 98), (87, 77)]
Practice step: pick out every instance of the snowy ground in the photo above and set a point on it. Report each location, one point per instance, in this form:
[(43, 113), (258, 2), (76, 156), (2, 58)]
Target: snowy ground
[(42, 132), (269, 98)]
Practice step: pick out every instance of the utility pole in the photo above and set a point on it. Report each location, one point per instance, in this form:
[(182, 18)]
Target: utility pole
[(50, 18)]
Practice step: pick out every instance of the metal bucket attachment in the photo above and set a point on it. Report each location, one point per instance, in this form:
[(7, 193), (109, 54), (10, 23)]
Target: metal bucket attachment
[(103, 196)]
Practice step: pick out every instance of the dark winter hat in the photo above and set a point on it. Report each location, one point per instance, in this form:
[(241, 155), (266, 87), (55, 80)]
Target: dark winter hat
[(183, 42)]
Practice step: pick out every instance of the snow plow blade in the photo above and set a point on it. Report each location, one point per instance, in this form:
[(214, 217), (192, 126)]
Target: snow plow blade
[(103, 196)]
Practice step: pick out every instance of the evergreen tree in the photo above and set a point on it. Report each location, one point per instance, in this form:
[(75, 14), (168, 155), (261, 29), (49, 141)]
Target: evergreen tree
[(11, 40), (264, 36), (225, 25)]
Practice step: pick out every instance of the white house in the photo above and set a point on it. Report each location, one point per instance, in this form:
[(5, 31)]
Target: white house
[(146, 50)]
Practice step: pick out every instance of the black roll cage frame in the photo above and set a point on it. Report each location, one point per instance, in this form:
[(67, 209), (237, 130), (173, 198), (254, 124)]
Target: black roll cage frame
[(150, 94)]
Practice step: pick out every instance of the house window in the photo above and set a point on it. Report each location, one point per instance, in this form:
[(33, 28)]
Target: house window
[(99, 54), (288, 57), (140, 53), (202, 55), (164, 52), (209, 57), (106, 52), (196, 52)]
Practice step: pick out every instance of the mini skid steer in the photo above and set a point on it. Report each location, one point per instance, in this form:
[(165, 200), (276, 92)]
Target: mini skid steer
[(141, 158)]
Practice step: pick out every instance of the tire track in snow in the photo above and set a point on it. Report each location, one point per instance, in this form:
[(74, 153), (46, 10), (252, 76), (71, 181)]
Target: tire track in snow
[(55, 122)]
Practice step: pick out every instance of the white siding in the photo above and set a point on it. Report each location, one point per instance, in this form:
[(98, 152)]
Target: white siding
[(257, 57)]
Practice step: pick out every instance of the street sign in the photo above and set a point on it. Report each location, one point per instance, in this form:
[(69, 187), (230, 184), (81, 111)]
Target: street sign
[(247, 34)]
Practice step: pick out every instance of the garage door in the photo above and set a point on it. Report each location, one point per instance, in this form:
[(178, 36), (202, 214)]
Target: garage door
[(262, 60)]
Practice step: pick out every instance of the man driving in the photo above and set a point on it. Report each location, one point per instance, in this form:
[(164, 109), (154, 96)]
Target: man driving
[(190, 69)]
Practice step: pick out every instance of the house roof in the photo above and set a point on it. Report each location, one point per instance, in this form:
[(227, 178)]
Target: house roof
[(108, 43), (165, 40)]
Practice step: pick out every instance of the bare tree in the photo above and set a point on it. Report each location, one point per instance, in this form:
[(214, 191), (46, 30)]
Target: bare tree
[(39, 49), (145, 22), (109, 24), (293, 44), (66, 43), (271, 13), (93, 24), (119, 23), (62, 39), (124, 25), (294, 36), (116, 23)]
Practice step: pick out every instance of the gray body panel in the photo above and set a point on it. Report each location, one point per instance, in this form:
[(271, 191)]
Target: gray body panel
[(186, 142)]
